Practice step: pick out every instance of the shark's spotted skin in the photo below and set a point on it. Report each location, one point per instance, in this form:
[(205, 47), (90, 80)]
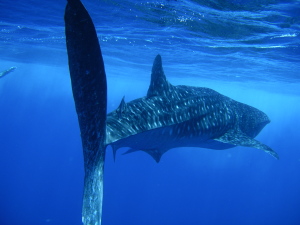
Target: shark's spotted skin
[(182, 116)]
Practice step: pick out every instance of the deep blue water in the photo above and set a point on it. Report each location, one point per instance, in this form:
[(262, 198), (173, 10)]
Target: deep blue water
[(247, 50)]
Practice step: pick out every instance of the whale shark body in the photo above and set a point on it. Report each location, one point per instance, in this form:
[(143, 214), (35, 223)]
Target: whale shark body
[(183, 116), (167, 117)]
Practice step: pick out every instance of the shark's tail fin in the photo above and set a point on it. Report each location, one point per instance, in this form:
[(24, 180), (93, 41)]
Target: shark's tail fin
[(90, 95)]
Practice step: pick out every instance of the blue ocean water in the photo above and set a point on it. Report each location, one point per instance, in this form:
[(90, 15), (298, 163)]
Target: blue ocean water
[(248, 50)]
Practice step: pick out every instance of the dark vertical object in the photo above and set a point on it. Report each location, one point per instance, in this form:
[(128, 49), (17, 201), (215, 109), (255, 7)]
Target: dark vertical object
[(90, 95)]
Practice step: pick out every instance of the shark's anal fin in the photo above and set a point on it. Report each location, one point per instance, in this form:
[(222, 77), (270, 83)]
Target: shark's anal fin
[(236, 137), (90, 95)]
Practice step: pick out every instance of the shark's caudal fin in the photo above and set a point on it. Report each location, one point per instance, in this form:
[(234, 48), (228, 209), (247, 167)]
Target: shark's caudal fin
[(90, 94)]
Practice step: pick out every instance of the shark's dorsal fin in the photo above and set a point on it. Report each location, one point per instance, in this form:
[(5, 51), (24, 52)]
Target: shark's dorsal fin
[(159, 86), (122, 108)]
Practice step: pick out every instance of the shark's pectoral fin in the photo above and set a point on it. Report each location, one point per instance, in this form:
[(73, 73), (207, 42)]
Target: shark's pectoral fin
[(155, 153), (238, 138)]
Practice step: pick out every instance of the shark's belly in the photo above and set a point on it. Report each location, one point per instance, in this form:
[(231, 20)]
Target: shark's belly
[(167, 138), (197, 132)]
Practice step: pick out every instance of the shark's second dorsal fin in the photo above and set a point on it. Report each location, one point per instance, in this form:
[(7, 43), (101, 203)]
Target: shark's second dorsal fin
[(122, 108), (159, 86)]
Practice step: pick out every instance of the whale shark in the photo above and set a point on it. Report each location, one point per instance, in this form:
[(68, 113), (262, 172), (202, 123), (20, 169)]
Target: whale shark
[(5, 72), (167, 117), (183, 116)]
